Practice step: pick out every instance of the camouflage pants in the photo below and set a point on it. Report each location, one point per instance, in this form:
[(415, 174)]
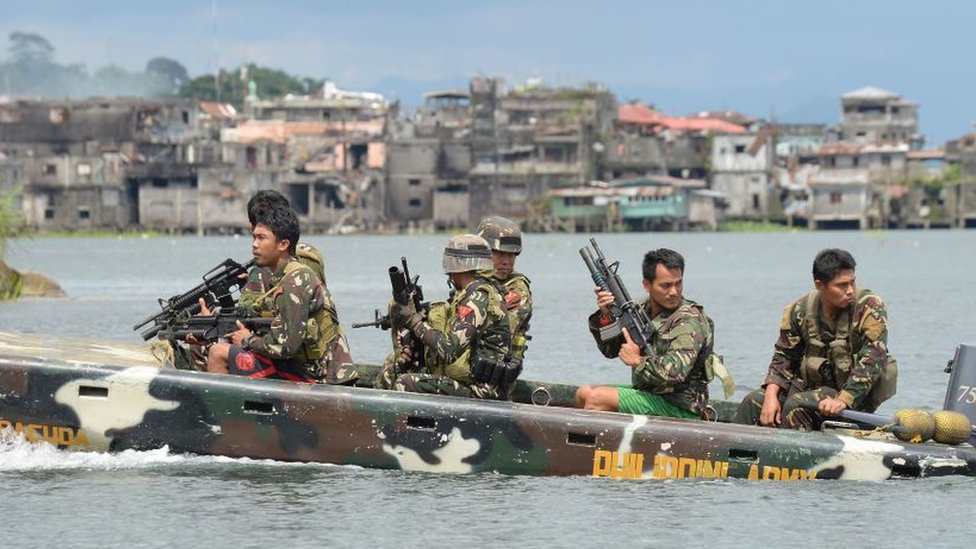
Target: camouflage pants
[(339, 367), (798, 409), (386, 377), (443, 385), (189, 356)]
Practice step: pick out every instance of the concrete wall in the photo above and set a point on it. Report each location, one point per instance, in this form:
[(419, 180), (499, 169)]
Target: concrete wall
[(747, 193)]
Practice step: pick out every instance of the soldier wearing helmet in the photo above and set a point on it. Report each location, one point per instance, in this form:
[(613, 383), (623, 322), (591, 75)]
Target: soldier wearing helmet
[(466, 342), (505, 239)]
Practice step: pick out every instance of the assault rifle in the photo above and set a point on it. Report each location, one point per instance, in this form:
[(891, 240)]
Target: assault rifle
[(216, 290), (404, 289), (210, 328), (624, 310)]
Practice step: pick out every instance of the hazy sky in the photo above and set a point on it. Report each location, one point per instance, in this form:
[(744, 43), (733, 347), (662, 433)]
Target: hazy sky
[(790, 59)]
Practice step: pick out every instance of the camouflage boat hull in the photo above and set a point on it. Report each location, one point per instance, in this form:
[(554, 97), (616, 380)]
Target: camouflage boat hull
[(83, 396)]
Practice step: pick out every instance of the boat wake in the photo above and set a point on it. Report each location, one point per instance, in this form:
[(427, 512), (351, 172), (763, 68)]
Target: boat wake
[(17, 454)]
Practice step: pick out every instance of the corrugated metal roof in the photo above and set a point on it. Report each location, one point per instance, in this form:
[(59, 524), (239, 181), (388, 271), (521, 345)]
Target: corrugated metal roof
[(639, 114), (218, 110)]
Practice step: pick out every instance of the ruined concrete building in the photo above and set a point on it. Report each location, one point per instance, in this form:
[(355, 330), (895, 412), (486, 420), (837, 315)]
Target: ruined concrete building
[(428, 160), (531, 140), (872, 115), (83, 164)]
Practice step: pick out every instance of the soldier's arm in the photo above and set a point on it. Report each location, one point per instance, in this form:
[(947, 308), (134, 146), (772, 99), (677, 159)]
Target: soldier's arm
[(788, 350), (685, 340), (450, 345), (284, 338), (871, 352), (523, 312)]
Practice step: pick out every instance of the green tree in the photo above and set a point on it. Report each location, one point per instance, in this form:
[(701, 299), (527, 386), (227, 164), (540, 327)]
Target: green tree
[(269, 82), (170, 71), (29, 47)]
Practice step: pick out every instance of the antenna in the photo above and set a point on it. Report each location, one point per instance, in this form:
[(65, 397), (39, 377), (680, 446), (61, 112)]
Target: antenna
[(213, 17)]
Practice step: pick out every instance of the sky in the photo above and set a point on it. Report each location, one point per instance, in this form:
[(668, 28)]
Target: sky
[(788, 60)]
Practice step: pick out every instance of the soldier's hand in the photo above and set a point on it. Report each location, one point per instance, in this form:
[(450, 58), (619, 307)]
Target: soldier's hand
[(407, 315), (512, 301), (603, 300), (204, 310), (770, 416), (238, 337), (406, 355), (630, 353), (830, 407)]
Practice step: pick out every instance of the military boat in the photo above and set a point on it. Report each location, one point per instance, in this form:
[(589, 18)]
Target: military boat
[(110, 396)]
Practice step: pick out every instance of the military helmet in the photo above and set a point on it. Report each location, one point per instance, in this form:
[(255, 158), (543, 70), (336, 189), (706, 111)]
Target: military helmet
[(502, 234), (467, 252)]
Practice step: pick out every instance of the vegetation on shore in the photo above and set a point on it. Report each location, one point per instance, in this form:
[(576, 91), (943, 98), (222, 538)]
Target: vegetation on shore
[(754, 227), (11, 224)]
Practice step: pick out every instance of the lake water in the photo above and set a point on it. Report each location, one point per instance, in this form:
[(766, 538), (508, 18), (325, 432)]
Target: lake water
[(156, 499)]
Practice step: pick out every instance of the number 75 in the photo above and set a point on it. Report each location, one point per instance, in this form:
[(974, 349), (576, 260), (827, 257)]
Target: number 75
[(967, 393)]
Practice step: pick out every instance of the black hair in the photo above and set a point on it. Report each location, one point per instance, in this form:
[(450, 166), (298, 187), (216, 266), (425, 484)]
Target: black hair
[(262, 201), (830, 262), (283, 223), (663, 256)]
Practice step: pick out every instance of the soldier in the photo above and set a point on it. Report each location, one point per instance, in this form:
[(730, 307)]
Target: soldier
[(301, 340), (262, 201), (831, 355), (466, 342), (673, 380), (254, 295), (505, 239)]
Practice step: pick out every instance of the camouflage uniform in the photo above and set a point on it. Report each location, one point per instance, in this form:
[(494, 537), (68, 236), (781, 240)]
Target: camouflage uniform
[(518, 303), (259, 278), (815, 358), (465, 340), (505, 235), (305, 326), (681, 347)]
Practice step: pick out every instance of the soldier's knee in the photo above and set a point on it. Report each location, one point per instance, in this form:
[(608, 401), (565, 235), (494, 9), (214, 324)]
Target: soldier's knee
[(583, 393)]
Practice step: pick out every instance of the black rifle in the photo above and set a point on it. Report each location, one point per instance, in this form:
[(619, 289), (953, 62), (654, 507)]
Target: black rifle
[(624, 310), (216, 290), (210, 328), (404, 289)]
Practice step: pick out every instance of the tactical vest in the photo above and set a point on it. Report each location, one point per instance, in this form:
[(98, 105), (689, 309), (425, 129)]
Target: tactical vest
[(442, 314), (258, 302), (837, 355), (312, 258), (520, 338), (322, 326)]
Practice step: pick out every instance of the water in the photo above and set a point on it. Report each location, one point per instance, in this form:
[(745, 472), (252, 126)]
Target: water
[(156, 499)]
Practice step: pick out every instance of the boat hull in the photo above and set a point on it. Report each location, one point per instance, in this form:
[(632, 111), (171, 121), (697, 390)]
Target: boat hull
[(88, 405)]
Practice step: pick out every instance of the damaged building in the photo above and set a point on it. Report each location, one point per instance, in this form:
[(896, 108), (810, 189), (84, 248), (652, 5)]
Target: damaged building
[(81, 164)]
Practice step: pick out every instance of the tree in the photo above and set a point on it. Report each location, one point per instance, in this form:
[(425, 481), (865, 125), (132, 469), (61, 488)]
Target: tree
[(269, 82), (171, 70), (29, 47)]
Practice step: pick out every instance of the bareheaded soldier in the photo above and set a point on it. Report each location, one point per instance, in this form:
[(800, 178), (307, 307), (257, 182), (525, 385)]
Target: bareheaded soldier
[(831, 354), (672, 378), (301, 342), (258, 299), (466, 342)]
